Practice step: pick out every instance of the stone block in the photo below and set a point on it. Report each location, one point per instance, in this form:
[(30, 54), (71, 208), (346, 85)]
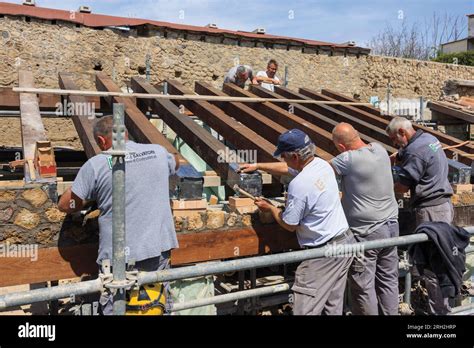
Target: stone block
[(195, 222), (36, 197), (7, 196), (215, 219), (27, 219)]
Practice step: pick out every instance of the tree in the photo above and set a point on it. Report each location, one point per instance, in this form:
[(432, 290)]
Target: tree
[(418, 41)]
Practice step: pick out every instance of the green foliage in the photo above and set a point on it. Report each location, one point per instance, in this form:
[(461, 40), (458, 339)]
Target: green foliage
[(461, 58)]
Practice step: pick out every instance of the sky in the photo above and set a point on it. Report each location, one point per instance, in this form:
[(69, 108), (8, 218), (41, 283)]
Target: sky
[(335, 21)]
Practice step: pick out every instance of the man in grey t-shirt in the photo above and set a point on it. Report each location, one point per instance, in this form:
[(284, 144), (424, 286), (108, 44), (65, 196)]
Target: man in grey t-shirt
[(150, 233), (238, 75), (371, 209)]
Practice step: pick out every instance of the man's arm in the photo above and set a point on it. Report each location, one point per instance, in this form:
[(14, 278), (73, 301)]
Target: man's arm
[(176, 159), (70, 202), (273, 168), (276, 212)]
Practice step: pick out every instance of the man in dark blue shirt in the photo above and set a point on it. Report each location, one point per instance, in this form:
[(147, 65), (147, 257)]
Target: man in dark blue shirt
[(423, 169)]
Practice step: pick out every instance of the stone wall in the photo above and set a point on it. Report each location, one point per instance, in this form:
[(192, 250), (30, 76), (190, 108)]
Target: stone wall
[(29, 215), (47, 49)]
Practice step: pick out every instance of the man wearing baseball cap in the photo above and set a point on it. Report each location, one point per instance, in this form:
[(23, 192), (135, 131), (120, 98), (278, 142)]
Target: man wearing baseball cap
[(314, 211)]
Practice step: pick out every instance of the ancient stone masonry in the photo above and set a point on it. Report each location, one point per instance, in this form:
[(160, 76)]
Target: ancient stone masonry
[(48, 48), (28, 215)]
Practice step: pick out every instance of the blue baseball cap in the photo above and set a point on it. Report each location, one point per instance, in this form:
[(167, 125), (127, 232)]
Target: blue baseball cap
[(292, 140)]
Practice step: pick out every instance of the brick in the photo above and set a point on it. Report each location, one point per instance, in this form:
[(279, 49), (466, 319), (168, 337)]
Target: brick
[(240, 202), (188, 205), (36, 197), (7, 196), (460, 188), (27, 219), (185, 213), (215, 219), (54, 215)]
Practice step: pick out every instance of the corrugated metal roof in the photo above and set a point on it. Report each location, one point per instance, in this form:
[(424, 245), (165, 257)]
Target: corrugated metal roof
[(100, 21)]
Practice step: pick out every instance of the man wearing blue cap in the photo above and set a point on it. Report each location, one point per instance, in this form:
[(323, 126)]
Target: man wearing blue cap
[(314, 211)]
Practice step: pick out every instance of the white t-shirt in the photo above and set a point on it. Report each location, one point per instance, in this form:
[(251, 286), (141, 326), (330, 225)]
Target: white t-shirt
[(314, 205), (269, 86)]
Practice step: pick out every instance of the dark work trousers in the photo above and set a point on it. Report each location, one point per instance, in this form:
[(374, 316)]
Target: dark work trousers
[(373, 278)]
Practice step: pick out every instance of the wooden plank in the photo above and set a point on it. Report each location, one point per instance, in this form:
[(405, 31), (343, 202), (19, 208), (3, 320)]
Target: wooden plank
[(322, 138), (442, 137), (328, 117), (364, 116), (70, 262), (32, 129), (200, 140), (120, 94), (342, 98), (239, 135), (136, 122), (244, 113), (10, 100), (449, 111), (82, 123)]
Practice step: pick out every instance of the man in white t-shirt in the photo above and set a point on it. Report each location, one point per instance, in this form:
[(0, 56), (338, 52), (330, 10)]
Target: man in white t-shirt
[(268, 79), (314, 211)]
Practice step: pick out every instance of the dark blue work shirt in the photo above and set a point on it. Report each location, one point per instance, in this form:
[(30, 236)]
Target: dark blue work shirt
[(424, 168)]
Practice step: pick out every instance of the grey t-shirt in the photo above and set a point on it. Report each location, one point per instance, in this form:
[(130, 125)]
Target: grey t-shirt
[(148, 218), (232, 78), (368, 197)]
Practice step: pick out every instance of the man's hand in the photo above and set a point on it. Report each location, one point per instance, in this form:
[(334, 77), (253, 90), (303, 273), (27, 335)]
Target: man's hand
[(248, 167), (394, 158), (275, 82), (264, 205)]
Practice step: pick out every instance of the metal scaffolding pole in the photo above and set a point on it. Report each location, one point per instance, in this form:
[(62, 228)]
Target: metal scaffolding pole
[(118, 209), (277, 259)]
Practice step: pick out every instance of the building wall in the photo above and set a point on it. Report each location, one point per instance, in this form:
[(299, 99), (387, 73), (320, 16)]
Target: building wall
[(47, 49), (455, 47)]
